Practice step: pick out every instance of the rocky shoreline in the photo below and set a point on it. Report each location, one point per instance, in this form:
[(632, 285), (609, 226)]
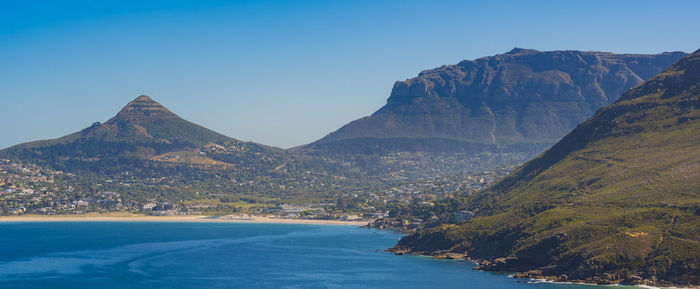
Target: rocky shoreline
[(500, 265), (403, 227)]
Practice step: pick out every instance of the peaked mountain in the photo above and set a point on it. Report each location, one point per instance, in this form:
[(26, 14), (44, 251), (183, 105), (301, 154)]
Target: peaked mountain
[(147, 120), (616, 200), (141, 130), (521, 100)]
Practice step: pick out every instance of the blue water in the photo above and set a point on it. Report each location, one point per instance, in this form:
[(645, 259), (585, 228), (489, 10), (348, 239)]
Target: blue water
[(223, 255)]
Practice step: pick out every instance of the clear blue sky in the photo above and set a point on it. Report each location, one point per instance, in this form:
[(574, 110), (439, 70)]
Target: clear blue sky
[(282, 73)]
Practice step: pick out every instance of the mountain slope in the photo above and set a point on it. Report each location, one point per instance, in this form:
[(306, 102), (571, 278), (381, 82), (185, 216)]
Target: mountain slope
[(616, 200), (521, 100)]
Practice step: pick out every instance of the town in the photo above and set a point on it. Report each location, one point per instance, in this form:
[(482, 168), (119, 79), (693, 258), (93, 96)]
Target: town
[(32, 189)]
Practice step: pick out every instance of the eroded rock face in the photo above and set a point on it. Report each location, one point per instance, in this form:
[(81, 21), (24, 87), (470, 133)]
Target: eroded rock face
[(520, 97)]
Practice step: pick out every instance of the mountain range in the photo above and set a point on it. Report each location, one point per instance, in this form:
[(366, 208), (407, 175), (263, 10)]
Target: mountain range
[(617, 200), (475, 116)]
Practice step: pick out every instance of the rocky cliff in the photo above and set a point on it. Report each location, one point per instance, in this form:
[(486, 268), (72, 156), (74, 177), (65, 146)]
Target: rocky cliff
[(521, 100)]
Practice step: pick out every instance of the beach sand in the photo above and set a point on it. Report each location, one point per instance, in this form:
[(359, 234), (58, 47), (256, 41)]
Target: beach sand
[(186, 218)]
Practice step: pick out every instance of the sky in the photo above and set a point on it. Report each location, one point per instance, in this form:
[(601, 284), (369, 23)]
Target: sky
[(281, 73)]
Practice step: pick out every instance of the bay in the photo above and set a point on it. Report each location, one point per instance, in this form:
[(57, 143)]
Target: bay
[(224, 255)]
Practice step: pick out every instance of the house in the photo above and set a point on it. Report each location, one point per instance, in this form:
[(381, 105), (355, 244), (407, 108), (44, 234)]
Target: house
[(349, 218), (148, 206)]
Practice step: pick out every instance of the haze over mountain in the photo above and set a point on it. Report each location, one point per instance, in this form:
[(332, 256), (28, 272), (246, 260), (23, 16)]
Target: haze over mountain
[(523, 100), (616, 200)]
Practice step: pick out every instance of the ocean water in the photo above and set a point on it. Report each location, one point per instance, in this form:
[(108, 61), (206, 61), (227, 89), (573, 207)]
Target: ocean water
[(223, 255)]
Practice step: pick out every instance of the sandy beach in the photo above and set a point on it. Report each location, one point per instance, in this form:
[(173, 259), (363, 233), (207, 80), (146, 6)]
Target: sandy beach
[(144, 218)]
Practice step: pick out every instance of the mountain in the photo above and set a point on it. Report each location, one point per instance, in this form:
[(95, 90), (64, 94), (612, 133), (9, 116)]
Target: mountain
[(147, 121), (616, 200), (523, 100), (142, 129)]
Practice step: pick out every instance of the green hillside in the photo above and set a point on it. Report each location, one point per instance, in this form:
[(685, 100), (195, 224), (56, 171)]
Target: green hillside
[(616, 200)]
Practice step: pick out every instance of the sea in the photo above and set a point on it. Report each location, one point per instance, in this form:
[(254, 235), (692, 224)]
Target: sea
[(225, 255)]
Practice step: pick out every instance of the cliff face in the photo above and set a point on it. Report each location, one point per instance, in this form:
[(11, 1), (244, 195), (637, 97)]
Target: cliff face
[(524, 99), (616, 200)]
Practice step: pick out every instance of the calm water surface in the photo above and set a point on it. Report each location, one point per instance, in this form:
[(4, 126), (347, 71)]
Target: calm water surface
[(223, 255)]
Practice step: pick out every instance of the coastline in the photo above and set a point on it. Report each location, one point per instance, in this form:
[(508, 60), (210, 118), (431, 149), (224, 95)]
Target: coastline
[(536, 278), (184, 218), (575, 282)]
